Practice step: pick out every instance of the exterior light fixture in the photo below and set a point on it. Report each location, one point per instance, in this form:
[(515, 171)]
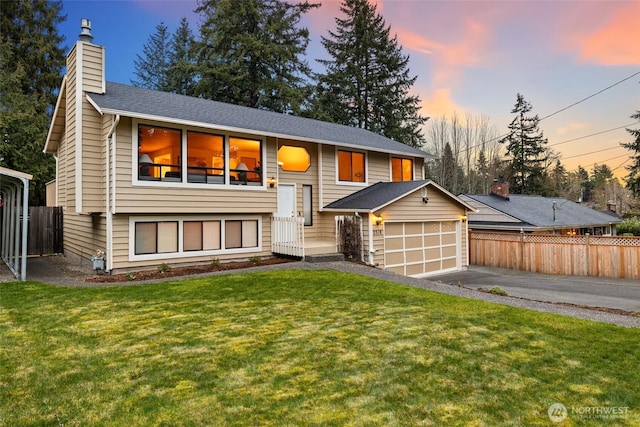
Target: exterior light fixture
[(272, 182)]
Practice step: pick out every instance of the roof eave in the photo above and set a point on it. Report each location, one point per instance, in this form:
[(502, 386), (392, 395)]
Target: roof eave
[(50, 146), (151, 117)]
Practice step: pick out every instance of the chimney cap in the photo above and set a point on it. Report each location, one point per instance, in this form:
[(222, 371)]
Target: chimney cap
[(85, 34)]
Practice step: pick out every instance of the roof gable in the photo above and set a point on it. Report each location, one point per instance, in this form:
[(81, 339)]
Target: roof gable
[(149, 104), (381, 194)]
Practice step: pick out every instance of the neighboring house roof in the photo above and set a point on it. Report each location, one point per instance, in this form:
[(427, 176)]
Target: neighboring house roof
[(381, 194), (540, 212), (147, 104)]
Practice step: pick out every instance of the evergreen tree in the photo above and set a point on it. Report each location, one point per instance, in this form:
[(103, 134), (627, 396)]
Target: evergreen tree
[(31, 63), (152, 68), (632, 180), (251, 53), (525, 148), (558, 178), (366, 82), (180, 73), (586, 186)]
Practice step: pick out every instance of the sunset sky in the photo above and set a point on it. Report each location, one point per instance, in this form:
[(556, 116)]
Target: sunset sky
[(469, 56)]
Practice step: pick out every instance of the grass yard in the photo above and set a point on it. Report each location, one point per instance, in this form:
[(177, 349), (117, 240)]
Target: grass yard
[(292, 348)]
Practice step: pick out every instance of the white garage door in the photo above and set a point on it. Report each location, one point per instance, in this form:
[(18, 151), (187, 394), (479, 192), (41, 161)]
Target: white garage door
[(421, 248)]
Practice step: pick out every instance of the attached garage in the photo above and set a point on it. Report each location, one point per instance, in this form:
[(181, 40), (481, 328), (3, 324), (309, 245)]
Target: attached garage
[(422, 248), (413, 228)]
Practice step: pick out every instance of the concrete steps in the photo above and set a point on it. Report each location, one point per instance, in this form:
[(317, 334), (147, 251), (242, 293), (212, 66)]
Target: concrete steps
[(316, 258)]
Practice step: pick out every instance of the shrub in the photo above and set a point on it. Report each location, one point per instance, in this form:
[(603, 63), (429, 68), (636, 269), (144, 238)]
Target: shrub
[(497, 290), (629, 226), (215, 262), (164, 268), (255, 259)]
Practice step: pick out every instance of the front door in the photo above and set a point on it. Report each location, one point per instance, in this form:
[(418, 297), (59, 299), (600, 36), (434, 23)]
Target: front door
[(286, 199)]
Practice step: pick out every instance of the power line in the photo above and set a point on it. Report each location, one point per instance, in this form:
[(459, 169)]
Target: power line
[(592, 152), (590, 96), (590, 135)]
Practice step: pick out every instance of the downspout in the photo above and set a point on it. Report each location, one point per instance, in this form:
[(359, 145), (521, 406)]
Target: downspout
[(110, 175), (372, 250), (320, 179)]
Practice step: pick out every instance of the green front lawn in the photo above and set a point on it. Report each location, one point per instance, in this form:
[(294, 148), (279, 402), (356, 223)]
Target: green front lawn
[(301, 348)]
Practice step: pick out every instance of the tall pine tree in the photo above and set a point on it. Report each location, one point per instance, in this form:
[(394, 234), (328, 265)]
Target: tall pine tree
[(181, 71), (525, 148), (251, 53), (366, 83), (31, 63), (632, 180), (152, 67)]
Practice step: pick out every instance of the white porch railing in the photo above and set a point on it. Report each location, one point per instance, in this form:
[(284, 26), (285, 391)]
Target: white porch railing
[(287, 235)]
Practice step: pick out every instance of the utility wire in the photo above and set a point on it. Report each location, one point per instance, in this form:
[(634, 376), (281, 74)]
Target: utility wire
[(590, 135), (566, 108), (590, 96), (592, 152)]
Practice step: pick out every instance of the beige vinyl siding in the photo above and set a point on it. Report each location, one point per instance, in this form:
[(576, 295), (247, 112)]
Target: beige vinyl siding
[(310, 177), (333, 191), (411, 208), (378, 168), (83, 234), (92, 68), (179, 198), (93, 161), (121, 247), (67, 150)]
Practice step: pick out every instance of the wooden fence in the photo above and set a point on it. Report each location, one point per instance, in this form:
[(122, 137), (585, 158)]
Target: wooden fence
[(45, 230), (602, 256)]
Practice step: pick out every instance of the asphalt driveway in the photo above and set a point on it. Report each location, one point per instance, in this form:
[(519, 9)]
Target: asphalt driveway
[(581, 290)]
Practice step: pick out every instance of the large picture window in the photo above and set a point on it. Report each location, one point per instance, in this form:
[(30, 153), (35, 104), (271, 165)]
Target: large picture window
[(401, 169), (351, 166), (189, 156), (245, 161), (205, 158), (159, 153)]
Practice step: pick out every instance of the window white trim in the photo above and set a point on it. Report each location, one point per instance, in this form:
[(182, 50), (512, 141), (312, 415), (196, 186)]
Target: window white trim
[(181, 253), (413, 167), (337, 168), (184, 184)]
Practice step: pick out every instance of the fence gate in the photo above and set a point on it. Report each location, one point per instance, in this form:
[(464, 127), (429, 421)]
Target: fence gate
[(45, 230)]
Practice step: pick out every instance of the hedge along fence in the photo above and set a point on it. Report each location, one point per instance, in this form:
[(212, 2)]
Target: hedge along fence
[(602, 256)]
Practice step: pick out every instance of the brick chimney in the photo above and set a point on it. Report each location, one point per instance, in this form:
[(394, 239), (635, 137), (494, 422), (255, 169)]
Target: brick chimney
[(500, 188), (611, 206)]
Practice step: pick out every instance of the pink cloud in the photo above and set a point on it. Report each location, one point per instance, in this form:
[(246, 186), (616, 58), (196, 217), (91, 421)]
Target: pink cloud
[(449, 59), (616, 42), (439, 104)]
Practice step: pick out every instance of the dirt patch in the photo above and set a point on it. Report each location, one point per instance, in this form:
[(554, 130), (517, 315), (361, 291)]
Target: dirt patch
[(163, 273)]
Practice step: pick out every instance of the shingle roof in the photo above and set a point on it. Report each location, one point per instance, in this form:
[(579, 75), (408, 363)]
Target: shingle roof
[(539, 211), (133, 101), (376, 196)]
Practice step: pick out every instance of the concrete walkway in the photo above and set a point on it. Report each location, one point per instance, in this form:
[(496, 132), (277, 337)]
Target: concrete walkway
[(534, 292)]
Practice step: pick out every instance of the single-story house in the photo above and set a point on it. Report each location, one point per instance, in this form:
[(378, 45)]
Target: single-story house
[(151, 177), (501, 211)]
